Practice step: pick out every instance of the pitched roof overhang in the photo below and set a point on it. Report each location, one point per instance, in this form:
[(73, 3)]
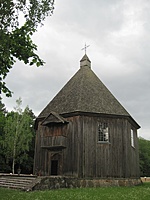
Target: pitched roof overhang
[(103, 115)]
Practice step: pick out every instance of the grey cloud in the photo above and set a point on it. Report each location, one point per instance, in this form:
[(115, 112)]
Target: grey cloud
[(118, 33)]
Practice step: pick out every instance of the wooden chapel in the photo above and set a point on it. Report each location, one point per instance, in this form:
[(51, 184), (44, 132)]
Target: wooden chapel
[(85, 132)]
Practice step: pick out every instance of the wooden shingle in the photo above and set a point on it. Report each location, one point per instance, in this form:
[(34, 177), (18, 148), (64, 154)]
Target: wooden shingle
[(84, 92)]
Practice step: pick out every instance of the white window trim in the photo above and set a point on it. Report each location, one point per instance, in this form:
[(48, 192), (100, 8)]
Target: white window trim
[(103, 133), (132, 138)]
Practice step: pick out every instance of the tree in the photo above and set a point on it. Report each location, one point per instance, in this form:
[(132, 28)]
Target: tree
[(18, 134), (27, 160), (15, 34), (2, 116), (144, 154), (3, 165)]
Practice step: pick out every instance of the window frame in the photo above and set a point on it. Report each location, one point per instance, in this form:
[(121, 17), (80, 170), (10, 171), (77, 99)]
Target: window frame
[(103, 132)]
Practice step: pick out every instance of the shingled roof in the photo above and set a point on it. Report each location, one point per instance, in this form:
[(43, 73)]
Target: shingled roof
[(84, 92)]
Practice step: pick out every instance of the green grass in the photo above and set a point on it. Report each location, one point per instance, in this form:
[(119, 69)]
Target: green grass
[(141, 192)]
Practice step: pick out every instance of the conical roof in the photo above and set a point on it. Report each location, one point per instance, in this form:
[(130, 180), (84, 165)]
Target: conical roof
[(84, 92)]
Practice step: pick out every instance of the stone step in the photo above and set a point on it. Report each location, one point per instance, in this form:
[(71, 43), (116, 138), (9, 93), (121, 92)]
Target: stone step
[(14, 186), (20, 177), (18, 182), (14, 183)]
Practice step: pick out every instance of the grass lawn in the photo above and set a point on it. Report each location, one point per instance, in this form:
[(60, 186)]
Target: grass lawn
[(141, 192)]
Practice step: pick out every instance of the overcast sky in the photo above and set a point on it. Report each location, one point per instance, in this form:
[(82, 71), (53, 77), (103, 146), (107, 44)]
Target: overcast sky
[(118, 32)]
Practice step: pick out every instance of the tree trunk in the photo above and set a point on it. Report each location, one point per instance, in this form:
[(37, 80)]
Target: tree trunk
[(14, 154), (13, 166)]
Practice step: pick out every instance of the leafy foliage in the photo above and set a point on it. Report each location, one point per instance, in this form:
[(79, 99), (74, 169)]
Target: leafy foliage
[(15, 38), (18, 137), (2, 116), (3, 165), (26, 158), (144, 154)]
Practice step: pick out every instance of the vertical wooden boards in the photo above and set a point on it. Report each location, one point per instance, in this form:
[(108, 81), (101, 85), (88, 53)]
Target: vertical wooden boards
[(82, 154)]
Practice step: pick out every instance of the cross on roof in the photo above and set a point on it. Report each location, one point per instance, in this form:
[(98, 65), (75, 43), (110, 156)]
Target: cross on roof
[(85, 47)]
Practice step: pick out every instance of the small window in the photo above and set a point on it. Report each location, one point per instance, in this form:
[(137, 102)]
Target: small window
[(132, 138), (103, 135)]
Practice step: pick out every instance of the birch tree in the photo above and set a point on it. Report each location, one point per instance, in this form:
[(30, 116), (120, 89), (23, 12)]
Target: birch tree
[(18, 134)]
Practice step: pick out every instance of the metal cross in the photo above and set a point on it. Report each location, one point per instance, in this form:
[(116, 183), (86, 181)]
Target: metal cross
[(85, 47)]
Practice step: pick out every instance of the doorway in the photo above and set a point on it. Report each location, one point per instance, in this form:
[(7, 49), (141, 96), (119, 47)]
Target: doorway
[(54, 167), (55, 164)]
